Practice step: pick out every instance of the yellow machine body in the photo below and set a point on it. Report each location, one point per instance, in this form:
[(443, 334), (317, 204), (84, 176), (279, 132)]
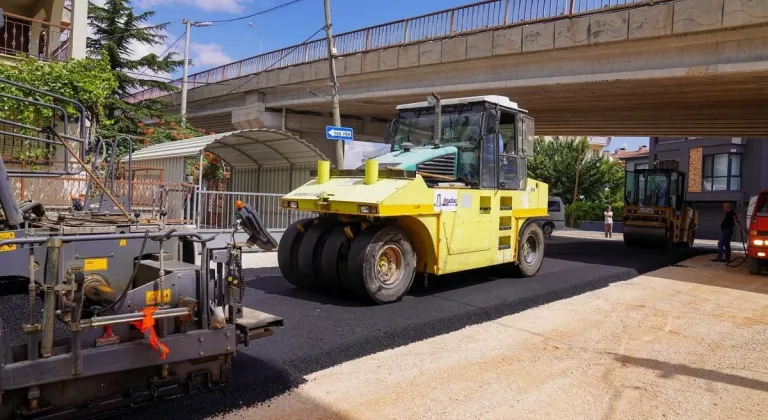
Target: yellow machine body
[(655, 210), (453, 229)]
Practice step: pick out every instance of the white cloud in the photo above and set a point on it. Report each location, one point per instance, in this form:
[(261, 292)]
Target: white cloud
[(210, 54), (231, 6)]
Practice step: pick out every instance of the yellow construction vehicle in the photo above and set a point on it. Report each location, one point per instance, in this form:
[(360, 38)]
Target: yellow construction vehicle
[(452, 195), (655, 210)]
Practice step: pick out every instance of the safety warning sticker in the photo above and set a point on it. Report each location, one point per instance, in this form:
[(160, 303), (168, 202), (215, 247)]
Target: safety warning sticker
[(7, 235), (153, 295)]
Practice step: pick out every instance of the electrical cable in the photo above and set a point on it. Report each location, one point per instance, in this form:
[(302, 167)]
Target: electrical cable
[(143, 73), (220, 97), (263, 12), (743, 259), (128, 285)]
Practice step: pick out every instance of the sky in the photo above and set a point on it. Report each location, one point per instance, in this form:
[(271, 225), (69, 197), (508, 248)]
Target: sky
[(220, 44)]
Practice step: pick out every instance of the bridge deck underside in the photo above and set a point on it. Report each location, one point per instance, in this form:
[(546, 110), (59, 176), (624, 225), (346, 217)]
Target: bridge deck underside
[(730, 105)]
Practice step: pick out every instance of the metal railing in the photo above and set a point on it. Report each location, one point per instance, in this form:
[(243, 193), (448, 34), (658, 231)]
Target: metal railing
[(217, 210), (476, 17), (36, 38)]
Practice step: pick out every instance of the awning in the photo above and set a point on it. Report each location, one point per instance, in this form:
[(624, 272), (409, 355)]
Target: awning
[(258, 147)]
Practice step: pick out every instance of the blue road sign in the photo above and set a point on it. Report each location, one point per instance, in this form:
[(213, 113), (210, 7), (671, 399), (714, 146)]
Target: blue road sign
[(339, 133)]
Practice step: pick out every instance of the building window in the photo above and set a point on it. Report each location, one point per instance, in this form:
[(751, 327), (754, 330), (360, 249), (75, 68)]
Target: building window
[(641, 166), (722, 172)]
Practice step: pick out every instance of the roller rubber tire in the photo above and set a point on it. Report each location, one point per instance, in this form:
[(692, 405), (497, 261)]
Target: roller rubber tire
[(755, 266), (364, 256), (524, 268), (333, 261), (310, 251), (288, 251)]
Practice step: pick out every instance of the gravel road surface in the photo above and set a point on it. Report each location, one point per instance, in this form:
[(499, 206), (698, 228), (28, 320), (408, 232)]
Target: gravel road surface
[(683, 342), (322, 331)]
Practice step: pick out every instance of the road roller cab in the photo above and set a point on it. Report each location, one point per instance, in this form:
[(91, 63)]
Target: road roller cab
[(655, 210), (440, 201), (757, 248)]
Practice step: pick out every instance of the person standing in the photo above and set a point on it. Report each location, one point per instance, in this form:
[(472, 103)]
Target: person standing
[(608, 214), (726, 233)]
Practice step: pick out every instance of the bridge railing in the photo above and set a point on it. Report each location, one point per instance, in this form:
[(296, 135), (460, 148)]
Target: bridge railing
[(475, 17)]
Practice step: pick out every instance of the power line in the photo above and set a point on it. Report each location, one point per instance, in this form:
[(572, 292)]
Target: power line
[(218, 98), (163, 53), (263, 12), (159, 25), (213, 83)]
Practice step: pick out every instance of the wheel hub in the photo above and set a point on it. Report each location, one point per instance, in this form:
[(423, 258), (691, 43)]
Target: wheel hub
[(530, 250), (389, 265)]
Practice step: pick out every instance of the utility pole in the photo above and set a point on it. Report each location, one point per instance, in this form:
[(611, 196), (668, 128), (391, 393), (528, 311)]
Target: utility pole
[(261, 38), (183, 106), (576, 185), (334, 84), (188, 26)]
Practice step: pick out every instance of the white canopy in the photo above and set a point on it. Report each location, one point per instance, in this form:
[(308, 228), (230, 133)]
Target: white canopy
[(240, 149)]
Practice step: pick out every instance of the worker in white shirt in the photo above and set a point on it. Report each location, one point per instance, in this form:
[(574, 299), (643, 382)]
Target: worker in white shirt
[(608, 214)]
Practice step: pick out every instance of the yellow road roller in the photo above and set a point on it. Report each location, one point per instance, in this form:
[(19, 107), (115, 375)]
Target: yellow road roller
[(451, 195), (655, 210)]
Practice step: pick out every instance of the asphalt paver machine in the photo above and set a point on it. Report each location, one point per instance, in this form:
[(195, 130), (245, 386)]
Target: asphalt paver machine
[(452, 195), (655, 210), (103, 310)]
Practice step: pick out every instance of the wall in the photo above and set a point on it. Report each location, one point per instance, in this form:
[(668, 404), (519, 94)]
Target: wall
[(629, 164), (754, 174), (754, 155)]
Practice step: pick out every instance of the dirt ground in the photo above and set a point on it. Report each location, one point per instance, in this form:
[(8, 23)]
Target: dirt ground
[(684, 342)]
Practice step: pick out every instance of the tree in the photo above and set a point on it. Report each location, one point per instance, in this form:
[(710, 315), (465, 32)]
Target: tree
[(87, 81), (115, 30), (555, 162)]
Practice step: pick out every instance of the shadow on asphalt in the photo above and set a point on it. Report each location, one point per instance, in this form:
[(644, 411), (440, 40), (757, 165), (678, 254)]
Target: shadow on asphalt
[(322, 331), (254, 381), (670, 370), (583, 251), (616, 254)]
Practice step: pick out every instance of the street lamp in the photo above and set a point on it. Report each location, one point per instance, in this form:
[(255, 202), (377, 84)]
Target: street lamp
[(188, 24), (261, 38)]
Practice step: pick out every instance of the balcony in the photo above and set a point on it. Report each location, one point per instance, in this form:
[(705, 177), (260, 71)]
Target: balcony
[(35, 38)]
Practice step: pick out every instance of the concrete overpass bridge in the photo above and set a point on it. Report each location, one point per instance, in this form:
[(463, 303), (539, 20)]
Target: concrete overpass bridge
[(581, 67)]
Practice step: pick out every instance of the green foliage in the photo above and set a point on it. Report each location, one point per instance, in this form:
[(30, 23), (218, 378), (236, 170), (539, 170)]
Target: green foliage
[(591, 212), (555, 161), (87, 81), (115, 28)]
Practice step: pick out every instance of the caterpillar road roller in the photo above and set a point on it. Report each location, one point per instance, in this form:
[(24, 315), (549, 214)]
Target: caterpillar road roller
[(655, 210), (451, 195)]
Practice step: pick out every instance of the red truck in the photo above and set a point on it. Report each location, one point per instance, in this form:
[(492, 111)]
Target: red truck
[(757, 249)]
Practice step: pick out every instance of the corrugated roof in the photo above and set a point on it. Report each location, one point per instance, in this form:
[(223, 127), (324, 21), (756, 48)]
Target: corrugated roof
[(240, 149), (630, 154)]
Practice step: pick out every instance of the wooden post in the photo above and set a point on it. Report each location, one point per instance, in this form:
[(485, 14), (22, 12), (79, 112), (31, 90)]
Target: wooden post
[(570, 8), (367, 39), (506, 12), (452, 11), (405, 31)]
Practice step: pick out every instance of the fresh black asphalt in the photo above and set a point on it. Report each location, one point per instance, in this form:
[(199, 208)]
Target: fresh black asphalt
[(321, 331)]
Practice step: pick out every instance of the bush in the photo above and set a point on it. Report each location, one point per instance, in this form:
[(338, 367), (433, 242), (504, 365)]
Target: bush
[(591, 212)]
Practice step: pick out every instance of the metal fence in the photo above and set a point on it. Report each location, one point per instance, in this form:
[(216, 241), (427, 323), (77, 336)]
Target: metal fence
[(476, 17), (36, 38), (217, 210)]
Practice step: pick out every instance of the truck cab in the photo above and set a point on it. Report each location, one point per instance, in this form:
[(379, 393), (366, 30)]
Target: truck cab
[(482, 142)]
